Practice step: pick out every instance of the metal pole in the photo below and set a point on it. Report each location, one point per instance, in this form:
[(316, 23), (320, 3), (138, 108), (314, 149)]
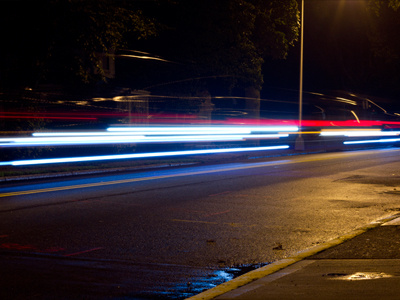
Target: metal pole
[(299, 144)]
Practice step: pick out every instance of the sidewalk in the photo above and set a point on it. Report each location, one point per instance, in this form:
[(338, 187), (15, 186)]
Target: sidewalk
[(363, 265)]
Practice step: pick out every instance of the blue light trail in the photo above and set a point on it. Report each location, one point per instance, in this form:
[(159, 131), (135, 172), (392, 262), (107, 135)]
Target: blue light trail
[(150, 134), (136, 155), (371, 141)]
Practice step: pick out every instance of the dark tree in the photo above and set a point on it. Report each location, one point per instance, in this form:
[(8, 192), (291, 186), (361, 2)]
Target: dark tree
[(385, 43), (227, 38), (59, 41)]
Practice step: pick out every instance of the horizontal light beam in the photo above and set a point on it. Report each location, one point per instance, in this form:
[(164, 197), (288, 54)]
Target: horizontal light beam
[(371, 141), (359, 133), (209, 129), (102, 140), (136, 155)]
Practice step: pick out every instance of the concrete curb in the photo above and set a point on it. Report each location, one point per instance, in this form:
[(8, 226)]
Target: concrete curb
[(283, 263)]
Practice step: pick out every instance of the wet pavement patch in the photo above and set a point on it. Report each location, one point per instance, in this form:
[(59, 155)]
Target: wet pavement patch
[(358, 276), (198, 285), (243, 269), (51, 276)]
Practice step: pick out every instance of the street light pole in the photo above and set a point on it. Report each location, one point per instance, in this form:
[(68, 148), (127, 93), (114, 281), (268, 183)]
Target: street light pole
[(299, 143)]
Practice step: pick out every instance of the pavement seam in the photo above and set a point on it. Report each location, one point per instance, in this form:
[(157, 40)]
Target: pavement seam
[(283, 263)]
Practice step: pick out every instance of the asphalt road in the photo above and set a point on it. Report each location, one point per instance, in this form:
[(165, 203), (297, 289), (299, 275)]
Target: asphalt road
[(172, 232)]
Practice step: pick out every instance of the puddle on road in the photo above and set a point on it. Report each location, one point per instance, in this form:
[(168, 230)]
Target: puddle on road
[(199, 284), (358, 276), (115, 279)]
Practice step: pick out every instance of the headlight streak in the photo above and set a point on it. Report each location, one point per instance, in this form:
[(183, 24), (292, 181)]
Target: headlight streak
[(147, 132), (152, 134), (355, 116), (194, 133), (137, 155), (344, 100), (209, 129), (39, 116), (348, 123), (371, 141), (363, 133), (81, 133), (359, 133), (62, 141)]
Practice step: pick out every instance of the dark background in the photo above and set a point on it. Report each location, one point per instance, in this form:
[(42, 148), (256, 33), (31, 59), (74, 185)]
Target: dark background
[(347, 46)]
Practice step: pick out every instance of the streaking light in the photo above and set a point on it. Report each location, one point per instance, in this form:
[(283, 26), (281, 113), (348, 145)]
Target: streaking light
[(355, 116), (136, 155), (348, 101), (99, 140), (371, 141), (48, 117), (143, 57), (209, 129), (357, 133), (128, 134), (81, 133)]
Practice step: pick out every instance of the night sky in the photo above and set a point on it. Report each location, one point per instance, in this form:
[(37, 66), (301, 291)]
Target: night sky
[(338, 52)]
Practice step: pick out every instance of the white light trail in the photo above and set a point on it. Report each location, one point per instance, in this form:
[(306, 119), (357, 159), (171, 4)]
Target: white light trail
[(209, 129), (150, 134), (146, 132), (359, 133), (129, 139), (371, 141), (136, 155), (80, 133)]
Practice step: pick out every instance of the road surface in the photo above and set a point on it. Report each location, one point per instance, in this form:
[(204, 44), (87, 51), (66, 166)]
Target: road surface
[(173, 232)]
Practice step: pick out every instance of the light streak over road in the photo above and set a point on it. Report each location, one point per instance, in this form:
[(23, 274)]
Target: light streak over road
[(359, 133), (203, 129), (118, 135), (372, 141), (62, 141), (156, 134), (214, 169), (113, 182), (136, 155)]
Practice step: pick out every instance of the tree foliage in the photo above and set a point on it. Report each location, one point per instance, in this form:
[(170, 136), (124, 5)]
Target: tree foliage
[(384, 37), (378, 5), (59, 40), (231, 37), (385, 27)]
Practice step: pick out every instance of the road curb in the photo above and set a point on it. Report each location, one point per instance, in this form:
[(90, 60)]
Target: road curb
[(283, 263)]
